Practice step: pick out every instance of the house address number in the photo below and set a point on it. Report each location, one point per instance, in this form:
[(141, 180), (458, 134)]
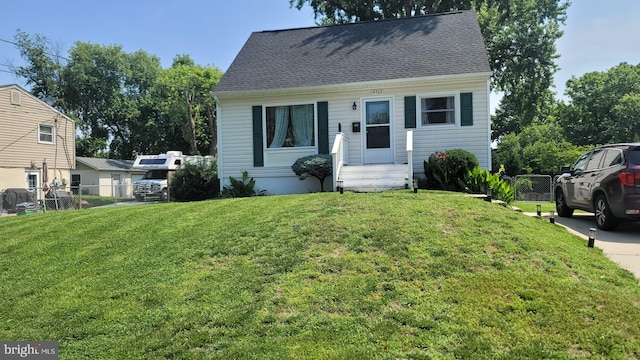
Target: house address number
[(378, 92)]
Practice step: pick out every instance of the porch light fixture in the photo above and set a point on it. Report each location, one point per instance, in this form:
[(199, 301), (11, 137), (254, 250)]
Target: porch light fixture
[(415, 186), (551, 217), (539, 210), (354, 106), (340, 185), (592, 237)]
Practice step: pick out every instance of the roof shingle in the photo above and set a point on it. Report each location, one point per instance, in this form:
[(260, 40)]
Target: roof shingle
[(415, 47)]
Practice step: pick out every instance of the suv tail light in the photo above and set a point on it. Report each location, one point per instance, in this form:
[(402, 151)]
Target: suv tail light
[(630, 178)]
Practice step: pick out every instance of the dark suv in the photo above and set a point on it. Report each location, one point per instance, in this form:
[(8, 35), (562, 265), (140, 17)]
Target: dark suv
[(604, 181)]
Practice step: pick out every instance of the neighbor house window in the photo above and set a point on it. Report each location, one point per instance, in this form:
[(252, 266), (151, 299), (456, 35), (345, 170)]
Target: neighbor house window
[(45, 134), (290, 126), (438, 110)]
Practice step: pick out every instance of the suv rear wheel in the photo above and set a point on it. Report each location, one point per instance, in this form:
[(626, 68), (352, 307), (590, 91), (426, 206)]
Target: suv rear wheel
[(561, 205), (604, 218)]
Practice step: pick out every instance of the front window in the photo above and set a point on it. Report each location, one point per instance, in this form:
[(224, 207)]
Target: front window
[(45, 133), (438, 110), (290, 126)]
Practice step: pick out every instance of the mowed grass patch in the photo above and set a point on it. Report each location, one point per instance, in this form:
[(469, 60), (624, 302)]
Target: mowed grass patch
[(391, 275)]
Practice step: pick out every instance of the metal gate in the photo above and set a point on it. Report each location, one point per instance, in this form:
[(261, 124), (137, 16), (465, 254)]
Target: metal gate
[(534, 188)]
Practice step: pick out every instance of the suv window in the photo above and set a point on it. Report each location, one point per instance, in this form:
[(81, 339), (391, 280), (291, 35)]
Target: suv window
[(634, 157), (594, 163), (613, 157), (581, 164)]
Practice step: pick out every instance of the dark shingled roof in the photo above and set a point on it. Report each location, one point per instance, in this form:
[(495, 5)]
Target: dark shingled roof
[(107, 164), (415, 47)]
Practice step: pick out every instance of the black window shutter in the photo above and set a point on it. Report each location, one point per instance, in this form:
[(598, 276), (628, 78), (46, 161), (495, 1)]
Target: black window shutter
[(258, 151), (466, 109), (409, 112), (323, 127)]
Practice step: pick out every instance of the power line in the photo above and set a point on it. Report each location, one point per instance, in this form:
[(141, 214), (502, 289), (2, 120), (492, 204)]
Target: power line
[(44, 52)]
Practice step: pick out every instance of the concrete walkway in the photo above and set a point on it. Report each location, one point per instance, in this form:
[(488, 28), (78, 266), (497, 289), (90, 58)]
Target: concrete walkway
[(621, 246)]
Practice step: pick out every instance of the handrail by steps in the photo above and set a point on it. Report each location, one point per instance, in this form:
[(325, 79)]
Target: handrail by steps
[(339, 156), (410, 158)]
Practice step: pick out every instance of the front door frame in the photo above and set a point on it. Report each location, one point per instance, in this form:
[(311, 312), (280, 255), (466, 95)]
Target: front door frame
[(378, 156)]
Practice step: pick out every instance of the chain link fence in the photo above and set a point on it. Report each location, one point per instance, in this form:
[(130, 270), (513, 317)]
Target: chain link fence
[(533, 188), (35, 200), (102, 195)]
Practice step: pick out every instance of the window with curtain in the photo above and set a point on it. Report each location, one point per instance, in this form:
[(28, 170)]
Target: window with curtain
[(438, 110), (290, 126)]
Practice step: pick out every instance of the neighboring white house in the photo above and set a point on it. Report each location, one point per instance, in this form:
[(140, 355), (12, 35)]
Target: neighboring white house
[(364, 92), (105, 177), (37, 142)]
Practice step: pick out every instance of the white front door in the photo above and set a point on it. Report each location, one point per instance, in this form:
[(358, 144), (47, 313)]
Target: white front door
[(378, 131)]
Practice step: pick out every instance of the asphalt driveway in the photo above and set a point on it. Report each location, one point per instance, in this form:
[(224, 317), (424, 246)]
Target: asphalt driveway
[(621, 246)]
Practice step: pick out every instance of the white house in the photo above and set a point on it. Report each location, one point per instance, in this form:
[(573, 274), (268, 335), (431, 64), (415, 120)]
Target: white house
[(105, 177), (379, 96)]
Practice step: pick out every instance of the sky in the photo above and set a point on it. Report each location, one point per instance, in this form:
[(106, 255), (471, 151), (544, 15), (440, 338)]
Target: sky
[(597, 37)]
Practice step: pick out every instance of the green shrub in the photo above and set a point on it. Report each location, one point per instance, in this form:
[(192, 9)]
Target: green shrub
[(195, 182), (446, 170), (320, 166), (246, 187), (479, 181)]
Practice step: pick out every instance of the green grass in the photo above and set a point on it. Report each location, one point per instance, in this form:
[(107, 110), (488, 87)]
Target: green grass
[(94, 201), (531, 206), (318, 276)]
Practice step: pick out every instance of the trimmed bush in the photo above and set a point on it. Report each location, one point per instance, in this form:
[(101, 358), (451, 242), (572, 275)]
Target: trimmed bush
[(195, 182), (319, 166), (446, 170)]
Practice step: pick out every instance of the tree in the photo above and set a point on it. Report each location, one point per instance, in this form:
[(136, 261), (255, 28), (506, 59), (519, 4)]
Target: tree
[(110, 94), (187, 88), (124, 103), (520, 38), (42, 72), (538, 149), (319, 166), (603, 106), (508, 154)]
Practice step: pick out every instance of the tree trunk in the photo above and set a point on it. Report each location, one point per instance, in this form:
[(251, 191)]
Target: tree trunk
[(191, 124)]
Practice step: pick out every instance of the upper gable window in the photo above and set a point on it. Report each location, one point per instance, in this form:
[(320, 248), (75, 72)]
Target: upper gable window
[(439, 109), (290, 126), (46, 134)]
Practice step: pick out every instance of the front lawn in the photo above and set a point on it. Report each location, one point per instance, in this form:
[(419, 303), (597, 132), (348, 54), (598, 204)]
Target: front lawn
[(94, 201), (318, 276)]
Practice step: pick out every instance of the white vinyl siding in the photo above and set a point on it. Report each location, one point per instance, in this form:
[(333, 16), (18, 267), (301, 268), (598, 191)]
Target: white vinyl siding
[(235, 124)]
